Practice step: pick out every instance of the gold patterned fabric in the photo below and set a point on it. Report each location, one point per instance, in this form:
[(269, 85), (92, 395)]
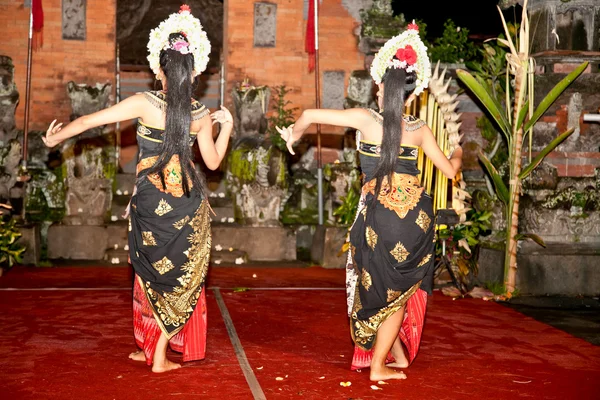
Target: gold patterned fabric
[(169, 236), (172, 174), (402, 196), (392, 246), (399, 252), (423, 220), (148, 239), (163, 208), (366, 280), (371, 237)]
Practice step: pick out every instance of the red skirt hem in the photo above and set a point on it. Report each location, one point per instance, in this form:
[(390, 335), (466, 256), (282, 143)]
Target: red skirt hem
[(191, 340), (410, 332)]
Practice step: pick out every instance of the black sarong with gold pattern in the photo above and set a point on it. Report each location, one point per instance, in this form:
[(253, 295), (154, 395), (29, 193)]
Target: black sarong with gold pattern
[(169, 232), (391, 241)]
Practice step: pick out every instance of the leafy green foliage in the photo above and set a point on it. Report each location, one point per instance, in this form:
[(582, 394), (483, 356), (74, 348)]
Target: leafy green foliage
[(346, 212), (478, 224), (10, 250), (283, 116), (453, 46)]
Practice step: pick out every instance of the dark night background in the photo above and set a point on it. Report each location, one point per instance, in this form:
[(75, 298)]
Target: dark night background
[(479, 16)]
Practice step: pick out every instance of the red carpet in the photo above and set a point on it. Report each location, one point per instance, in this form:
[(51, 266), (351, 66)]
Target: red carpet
[(73, 344)]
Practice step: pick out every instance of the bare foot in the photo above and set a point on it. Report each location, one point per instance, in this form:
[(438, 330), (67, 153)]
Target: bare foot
[(138, 356), (400, 360), (385, 373), (165, 366)]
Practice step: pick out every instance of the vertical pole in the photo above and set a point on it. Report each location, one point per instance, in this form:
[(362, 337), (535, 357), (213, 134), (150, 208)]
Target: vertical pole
[(318, 105), (118, 100), (28, 87)]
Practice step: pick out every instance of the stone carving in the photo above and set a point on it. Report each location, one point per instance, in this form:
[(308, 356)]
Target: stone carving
[(257, 181), (333, 89), (9, 98), (360, 91), (88, 161), (10, 159), (250, 108), (73, 19), (265, 24)]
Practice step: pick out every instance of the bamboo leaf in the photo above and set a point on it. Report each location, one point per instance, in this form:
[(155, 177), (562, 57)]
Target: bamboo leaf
[(545, 151), (523, 114), (501, 189), (532, 236), (487, 99), (553, 95)]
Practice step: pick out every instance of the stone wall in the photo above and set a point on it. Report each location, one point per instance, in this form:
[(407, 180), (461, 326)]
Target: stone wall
[(59, 61), (286, 62)]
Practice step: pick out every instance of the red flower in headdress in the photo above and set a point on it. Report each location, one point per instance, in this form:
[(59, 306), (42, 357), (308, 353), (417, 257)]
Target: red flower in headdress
[(185, 7), (413, 26), (407, 54)]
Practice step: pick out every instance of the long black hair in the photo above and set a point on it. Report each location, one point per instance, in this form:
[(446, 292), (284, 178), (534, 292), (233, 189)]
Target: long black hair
[(178, 69), (398, 86)]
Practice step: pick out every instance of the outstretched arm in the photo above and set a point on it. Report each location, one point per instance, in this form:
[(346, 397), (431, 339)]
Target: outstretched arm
[(431, 149), (356, 118), (130, 108), (213, 152)]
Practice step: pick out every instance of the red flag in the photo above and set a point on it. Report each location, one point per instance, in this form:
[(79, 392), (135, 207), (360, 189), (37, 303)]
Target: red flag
[(38, 24), (309, 44)]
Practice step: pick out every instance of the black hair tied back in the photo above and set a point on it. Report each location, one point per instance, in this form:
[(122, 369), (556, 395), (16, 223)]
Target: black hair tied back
[(178, 69), (398, 86)]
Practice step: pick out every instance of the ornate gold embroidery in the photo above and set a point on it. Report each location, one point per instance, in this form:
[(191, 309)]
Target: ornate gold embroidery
[(425, 260), (392, 294), (371, 237), (364, 331), (366, 279), (163, 208), (364, 212), (175, 308), (181, 223), (163, 265), (148, 239), (399, 252), (403, 196), (423, 220), (172, 173)]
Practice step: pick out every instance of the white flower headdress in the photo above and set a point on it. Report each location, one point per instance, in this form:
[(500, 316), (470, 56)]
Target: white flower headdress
[(191, 28), (407, 51)]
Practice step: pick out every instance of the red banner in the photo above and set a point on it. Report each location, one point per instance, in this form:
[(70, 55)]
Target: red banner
[(309, 44), (38, 24)]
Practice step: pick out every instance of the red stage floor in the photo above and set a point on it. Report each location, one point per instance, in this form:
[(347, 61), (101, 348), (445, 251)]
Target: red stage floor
[(66, 334)]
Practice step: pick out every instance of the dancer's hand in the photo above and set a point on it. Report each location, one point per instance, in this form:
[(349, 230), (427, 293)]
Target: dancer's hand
[(223, 116), (287, 136), (52, 130)]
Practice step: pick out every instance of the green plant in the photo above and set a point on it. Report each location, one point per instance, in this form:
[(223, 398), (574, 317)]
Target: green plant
[(515, 121), (346, 212), (463, 241), (282, 117), (453, 46), (10, 250)]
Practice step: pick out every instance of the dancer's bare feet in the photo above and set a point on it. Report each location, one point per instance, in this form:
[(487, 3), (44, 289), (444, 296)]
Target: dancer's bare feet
[(166, 365), (138, 356), (400, 359), (385, 373)]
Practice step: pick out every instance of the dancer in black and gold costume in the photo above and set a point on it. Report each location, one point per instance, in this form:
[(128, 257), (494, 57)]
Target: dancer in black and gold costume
[(392, 250), (169, 230)]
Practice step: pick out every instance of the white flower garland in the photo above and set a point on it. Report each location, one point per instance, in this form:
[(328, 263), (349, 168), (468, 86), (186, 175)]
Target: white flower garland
[(184, 22), (384, 58)]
